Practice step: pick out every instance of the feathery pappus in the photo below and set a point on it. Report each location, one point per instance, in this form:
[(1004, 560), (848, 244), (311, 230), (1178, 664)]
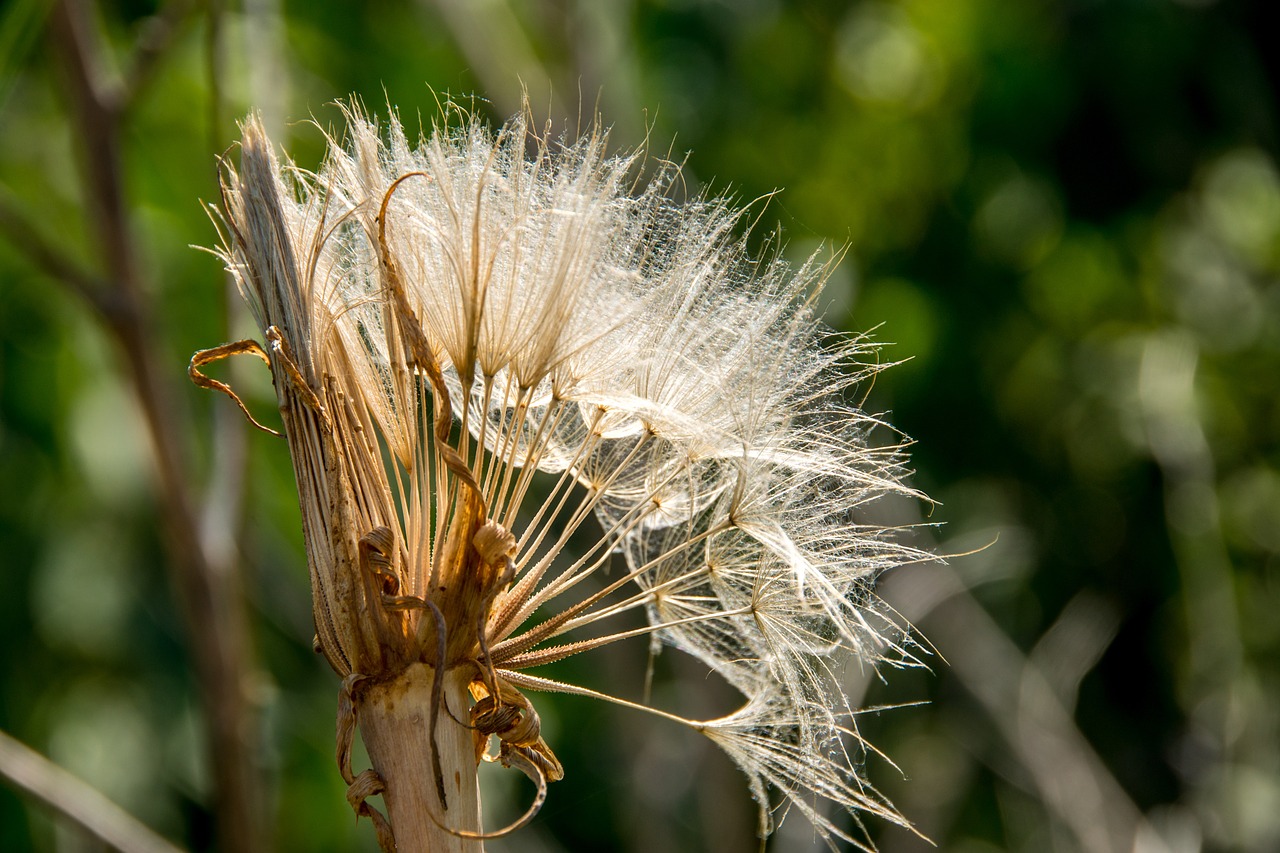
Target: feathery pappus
[(486, 344)]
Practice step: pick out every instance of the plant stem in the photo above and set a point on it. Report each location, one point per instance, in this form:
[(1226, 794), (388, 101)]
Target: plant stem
[(73, 798), (395, 726), (209, 593)]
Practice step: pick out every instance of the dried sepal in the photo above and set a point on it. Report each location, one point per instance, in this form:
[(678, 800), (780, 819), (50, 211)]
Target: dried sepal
[(364, 786), (208, 356)]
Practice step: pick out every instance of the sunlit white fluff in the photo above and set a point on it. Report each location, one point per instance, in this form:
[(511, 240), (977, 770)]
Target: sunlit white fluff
[(676, 394)]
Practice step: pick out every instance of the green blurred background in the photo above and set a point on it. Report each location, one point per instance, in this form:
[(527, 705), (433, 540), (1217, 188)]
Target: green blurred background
[(1064, 215)]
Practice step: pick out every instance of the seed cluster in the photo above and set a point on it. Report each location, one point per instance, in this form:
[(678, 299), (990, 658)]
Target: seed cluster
[(482, 353)]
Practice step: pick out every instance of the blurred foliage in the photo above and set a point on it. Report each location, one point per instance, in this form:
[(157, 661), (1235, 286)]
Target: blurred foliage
[(1065, 214)]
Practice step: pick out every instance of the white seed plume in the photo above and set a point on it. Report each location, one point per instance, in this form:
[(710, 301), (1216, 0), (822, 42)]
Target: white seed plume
[(677, 395)]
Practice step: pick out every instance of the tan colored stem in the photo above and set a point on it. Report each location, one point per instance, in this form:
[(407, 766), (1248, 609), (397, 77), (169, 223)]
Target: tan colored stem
[(395, 726), (73, 798)]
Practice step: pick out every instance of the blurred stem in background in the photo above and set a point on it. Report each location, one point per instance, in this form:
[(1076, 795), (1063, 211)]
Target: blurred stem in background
[(202, 565), (78, 801)]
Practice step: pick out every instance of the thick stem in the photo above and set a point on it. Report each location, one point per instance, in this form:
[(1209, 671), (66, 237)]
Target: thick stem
[(395, 726)]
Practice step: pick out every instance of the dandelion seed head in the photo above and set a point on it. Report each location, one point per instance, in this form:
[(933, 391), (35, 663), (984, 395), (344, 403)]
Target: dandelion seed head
[(482, 352)]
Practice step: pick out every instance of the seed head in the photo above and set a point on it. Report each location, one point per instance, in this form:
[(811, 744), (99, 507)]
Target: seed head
[(487, 344)]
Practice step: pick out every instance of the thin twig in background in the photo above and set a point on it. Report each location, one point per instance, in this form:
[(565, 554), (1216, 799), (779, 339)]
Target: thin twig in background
[(21, 24), (493, 41), (1180, 447), (71, 797), (154, 43), (45, 256), (208, 591), (1067, 774), (602, 42)]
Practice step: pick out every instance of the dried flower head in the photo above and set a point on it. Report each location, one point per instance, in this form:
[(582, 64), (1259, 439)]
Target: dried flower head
[(481, 353)]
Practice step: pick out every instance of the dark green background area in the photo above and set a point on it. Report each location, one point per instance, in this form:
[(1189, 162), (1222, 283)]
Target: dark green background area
[(1062, 217)]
